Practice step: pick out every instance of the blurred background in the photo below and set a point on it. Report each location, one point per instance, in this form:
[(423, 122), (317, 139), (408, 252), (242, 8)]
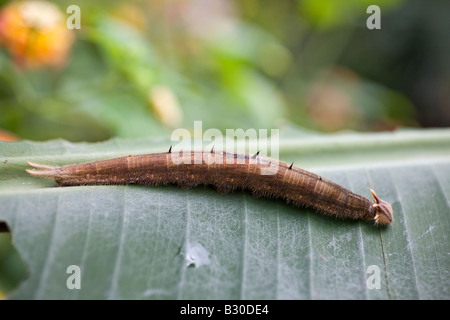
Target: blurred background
[(143, 68)]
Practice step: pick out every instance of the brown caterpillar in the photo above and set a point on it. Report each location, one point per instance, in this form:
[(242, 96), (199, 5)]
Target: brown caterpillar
[(226, 172)]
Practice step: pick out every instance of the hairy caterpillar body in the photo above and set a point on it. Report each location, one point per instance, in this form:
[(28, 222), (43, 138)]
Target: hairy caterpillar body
[(226, 172)]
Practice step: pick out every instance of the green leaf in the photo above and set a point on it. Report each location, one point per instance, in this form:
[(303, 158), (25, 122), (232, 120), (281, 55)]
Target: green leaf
[(133, 242)]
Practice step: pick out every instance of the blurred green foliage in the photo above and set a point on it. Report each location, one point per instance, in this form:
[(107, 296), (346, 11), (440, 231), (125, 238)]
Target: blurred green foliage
[(231, 64), (12, 268), (334, 13)]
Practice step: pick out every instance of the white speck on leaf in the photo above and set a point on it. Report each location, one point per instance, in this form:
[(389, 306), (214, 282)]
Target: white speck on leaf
[(196, 255)]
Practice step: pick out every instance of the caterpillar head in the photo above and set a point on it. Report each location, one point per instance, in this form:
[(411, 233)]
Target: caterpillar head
[(383, 210)]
